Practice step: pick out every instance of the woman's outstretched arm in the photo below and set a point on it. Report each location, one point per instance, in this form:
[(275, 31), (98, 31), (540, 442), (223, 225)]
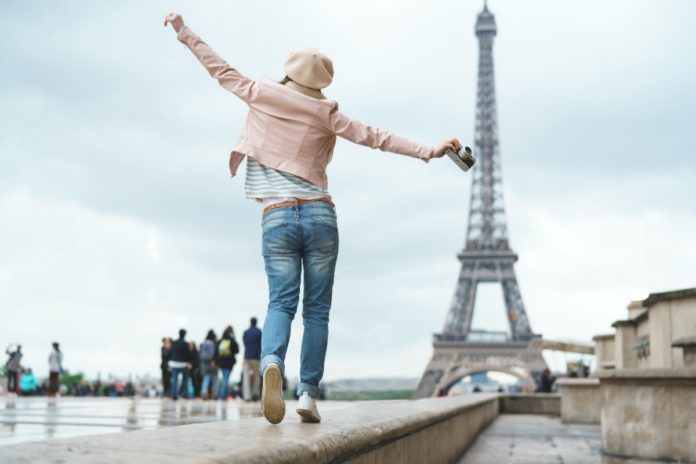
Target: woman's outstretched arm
[(374, 137), (228, 77)]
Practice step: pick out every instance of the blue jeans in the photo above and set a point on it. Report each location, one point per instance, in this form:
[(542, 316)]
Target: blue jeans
[(175, 381), (210, 379), (299, 238), (224, 386)]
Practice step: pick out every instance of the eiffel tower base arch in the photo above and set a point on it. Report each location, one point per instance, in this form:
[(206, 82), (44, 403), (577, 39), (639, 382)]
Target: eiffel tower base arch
[(454, 360)]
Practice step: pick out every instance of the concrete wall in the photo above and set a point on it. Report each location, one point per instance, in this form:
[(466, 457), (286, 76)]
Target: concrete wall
[(660, 327), (649, 413), (654, 323), (683, 323), (580, 400), (538, 403), (667, 321), (432, 430), (604, 351), (683, 317), (441, 442), (624, 355)]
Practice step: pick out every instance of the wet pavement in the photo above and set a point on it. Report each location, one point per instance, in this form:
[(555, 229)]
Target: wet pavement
[(538, 439), (26, 419)]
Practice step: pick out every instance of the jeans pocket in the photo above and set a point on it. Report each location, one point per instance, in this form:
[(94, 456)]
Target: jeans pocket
[(275, 239), (325, 238)]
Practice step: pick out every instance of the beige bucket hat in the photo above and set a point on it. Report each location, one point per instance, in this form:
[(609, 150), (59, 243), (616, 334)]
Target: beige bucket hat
[(309, 68)]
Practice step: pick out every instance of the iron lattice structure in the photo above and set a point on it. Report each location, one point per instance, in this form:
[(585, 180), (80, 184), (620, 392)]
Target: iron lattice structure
[(486, 257)]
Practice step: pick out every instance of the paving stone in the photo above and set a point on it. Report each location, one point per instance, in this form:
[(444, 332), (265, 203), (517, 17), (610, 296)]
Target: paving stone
[(536, 439)]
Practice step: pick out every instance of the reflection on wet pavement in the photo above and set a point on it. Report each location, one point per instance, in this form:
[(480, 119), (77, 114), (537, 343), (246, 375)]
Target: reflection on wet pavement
[(27, 419)]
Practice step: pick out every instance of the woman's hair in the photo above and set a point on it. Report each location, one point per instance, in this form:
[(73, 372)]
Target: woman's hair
[(228, 331), (211, 335)]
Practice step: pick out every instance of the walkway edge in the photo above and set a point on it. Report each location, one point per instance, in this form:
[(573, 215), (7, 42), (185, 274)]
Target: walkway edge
[(437, 429)]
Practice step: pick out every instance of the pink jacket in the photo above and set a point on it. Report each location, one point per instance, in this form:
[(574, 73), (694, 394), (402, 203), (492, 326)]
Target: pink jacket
[(288, 130)]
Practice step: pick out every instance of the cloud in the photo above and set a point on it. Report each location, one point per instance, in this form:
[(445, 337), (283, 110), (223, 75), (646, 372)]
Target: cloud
[(119, 223)]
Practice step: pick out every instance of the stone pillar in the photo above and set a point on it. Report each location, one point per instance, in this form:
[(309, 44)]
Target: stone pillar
[(604, 351), (625, 356)]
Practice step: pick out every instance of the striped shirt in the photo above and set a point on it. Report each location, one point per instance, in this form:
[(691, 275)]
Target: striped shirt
[(264, 182)]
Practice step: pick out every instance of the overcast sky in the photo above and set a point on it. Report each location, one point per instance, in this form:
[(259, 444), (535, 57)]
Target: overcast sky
[(119, 222)]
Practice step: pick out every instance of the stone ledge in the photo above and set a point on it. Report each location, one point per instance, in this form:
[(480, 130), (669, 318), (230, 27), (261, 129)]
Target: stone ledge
[(685, 342), (683, 374), (578, 382), (344, 434), (534, 403)]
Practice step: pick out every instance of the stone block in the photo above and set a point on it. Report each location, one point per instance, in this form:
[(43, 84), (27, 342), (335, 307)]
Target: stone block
[(580, 400), (537, 403), (649, 413)]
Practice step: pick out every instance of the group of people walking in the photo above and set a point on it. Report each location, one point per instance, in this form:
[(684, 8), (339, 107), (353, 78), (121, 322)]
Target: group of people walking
[(21, 379), (204, 371)]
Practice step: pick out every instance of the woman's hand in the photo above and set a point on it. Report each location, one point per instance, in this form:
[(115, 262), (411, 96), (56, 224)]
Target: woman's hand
[(175, 20), (440, 149)]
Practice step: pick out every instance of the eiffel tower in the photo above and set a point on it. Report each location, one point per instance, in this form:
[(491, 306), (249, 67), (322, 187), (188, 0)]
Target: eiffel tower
[(487, 257)]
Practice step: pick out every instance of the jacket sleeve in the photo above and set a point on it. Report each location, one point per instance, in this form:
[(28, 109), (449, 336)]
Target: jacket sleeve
[(374, 137), (228, 77)]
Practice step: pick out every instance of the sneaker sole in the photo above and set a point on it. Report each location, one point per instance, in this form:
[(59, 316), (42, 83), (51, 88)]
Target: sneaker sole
[(272, 401), (307, 415)]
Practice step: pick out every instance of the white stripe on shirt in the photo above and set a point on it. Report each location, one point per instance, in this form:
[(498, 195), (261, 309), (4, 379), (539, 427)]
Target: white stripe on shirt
[(263, 182)]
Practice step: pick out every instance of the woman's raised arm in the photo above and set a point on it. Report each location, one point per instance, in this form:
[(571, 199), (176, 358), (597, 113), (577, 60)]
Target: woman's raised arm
[(374, 137), (228, 77)]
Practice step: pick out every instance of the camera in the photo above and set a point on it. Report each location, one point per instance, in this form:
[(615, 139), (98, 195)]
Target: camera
[(463, 158)]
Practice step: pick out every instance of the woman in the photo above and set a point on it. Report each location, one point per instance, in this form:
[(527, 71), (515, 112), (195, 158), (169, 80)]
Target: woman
[(194, 372), (209, 370), (165, 353), (55, 368), (226, 358), (288, 139), (13, 365)]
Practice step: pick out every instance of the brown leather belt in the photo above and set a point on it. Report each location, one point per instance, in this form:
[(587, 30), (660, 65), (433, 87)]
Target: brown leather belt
[(296, 202)]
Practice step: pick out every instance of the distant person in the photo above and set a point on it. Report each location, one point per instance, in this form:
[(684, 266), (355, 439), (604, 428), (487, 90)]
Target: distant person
[(289, 140), (179, 363), (27, 382), (546, 382), (209, 370), (227, 350), (195, 370), (477, 389), (164, 365), (13, 367), (55, 368), (252, 359)]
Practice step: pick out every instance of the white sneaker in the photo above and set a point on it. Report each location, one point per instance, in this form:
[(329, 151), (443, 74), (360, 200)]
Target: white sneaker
[(307, 408), (272, 403)]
